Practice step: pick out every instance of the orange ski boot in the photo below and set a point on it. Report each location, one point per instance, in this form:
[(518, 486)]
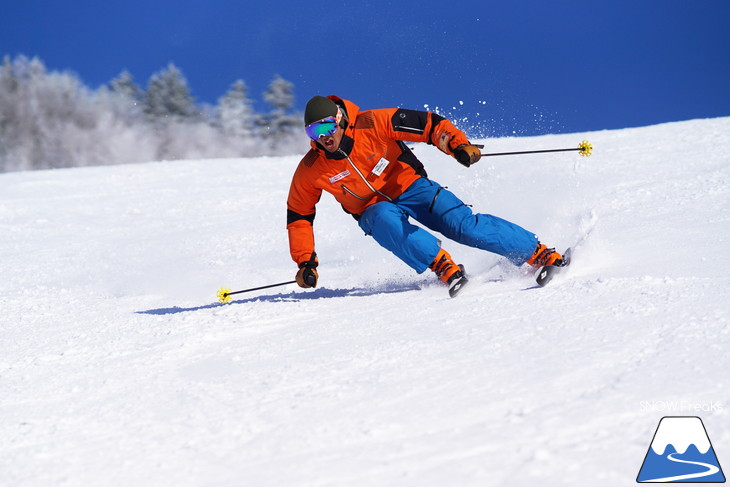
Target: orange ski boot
[(449, 272), (544, 256)]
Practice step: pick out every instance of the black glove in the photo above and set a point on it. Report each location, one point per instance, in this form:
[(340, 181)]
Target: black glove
[(467, 154), (307, 275)]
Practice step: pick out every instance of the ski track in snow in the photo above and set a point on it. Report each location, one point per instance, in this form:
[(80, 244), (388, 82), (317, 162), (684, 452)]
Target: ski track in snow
[(117, 366)]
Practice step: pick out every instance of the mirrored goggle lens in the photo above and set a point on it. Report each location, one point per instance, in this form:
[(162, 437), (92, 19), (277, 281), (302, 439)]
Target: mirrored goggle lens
[(322, 128)]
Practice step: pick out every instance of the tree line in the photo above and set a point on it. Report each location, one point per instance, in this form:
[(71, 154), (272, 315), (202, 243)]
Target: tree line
[(50, 119)]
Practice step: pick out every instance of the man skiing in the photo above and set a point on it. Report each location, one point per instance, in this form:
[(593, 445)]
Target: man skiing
[(361, 159)]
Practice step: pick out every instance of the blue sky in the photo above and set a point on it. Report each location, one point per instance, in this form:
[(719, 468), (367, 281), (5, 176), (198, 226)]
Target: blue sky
[(522, 67)]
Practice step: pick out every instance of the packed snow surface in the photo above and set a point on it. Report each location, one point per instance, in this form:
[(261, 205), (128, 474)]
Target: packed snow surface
[(118, 367)]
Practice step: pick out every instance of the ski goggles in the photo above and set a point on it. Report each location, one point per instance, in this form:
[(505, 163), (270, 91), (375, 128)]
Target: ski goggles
[(321, 128)]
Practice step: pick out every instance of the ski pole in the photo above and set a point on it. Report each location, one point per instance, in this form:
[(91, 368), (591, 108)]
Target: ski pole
[(585, 149), (224, 294)]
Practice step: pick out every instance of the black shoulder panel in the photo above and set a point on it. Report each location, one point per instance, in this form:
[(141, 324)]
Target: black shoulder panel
[(411, 121)]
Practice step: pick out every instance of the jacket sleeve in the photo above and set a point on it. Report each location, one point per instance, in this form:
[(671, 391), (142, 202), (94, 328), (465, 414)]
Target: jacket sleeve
[(421, 126), (303, 197)]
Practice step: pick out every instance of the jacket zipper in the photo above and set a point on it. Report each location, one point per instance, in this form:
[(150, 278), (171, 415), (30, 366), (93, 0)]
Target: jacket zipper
[(345, 188), (357, 170)]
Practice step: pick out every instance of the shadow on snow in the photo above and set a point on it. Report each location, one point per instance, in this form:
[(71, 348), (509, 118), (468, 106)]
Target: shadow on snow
[(295, 296)]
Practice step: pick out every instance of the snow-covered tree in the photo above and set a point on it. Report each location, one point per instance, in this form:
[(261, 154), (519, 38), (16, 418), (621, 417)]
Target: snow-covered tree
[(168, 97), (235, 112), (51, 119), (280, 122), (41, 112), (8, 86), (124, 85), (125, 98), (280, 95)]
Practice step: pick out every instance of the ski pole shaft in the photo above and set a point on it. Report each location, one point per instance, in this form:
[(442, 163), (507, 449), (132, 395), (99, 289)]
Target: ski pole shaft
[(260, 288), (584, 148), (224, 295), (528, 152)]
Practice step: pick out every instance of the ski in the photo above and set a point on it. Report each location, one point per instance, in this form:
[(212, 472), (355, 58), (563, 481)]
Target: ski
[(546, 273), (457, 285)]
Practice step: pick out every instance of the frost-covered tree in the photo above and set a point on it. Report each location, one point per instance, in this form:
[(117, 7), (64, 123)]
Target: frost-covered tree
[(42, 114), (8, 79), (51, 119), (168, 97), (235, 112), (280, 122), (8, 88), (169, 105), (125, 98), (24, 134), (280, 95), (124, 85)]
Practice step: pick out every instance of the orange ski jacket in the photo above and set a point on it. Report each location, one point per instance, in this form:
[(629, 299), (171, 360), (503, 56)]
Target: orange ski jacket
[(372, 164)]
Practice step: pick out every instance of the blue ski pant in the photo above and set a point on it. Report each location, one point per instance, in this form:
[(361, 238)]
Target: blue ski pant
[(440, 210)]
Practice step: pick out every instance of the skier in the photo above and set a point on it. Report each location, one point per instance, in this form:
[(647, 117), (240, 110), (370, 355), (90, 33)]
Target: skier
[(361, 159)]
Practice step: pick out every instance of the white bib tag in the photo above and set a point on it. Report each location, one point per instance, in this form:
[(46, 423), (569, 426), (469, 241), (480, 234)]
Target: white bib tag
[(380, 166)]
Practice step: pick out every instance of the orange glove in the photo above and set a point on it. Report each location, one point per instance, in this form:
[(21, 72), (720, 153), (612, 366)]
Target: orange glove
[(467, 154), (307, 275)]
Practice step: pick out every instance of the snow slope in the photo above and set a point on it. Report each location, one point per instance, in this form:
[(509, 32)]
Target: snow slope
[(118, 368)]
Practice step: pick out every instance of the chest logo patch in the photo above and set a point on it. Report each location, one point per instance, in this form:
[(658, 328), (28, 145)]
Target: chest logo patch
[(340, 176)]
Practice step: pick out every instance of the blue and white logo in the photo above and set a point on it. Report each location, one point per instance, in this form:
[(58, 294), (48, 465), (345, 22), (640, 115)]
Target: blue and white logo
[(681, 452)]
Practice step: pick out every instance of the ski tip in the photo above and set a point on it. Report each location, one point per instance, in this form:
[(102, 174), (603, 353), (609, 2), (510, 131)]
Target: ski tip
[(457, 286), (567, 256), (545, 275)]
